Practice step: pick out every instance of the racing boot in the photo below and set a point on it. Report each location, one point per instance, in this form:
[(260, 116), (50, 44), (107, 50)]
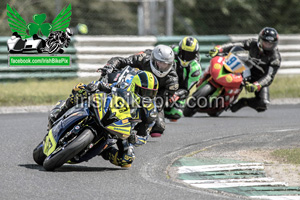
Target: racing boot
[(261, 100), (159, 126), (173, 114), (258, 103), (123, 157), (240, 104)]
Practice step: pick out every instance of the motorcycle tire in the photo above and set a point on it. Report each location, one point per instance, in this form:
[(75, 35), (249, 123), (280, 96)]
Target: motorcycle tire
[(203, 92), (53, 48), (189, 112), (72, 149), (215, 114), (38, 154)]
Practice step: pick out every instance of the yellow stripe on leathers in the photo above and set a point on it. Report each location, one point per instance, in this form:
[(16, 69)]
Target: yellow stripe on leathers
[(120, 107), (122, 130)]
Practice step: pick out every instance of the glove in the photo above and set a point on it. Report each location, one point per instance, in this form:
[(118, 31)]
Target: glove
[(104, 87), (106, 69), (252, 87), (213, 52), (174, 98), (91, 87), (179, 94), (172, 83), (77, 93), (79, 87)]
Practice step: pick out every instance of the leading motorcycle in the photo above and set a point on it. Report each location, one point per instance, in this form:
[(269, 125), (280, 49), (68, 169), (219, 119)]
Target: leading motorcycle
[(86, 130), (221, 83)]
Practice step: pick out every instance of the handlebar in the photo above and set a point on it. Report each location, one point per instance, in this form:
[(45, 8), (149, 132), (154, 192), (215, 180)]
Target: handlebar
[(218, 54)]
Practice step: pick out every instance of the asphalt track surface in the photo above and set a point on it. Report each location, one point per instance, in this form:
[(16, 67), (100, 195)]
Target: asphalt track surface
[(21, 178)]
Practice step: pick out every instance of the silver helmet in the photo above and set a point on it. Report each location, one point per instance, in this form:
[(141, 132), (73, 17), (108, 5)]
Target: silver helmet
[(161, 60), (69, 32)]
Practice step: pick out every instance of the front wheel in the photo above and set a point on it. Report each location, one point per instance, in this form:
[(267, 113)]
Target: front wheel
[(188, 110), (215, 114), (53, 48), (199, 99), (68, 152), (38, 154)]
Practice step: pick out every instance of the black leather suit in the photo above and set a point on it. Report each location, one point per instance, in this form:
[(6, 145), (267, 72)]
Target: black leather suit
[(267, 65), (168, 84)]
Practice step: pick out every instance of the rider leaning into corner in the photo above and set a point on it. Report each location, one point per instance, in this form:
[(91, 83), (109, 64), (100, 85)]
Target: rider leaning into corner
[(143, 88), (266, 56), (188, 69), (159, 61)]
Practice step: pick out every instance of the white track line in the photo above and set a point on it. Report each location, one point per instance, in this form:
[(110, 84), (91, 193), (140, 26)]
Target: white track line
[(277, 197), (265, 179), (221, 167), (238, 184)]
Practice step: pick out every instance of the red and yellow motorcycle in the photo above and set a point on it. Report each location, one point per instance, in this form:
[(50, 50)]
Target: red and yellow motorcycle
[(220, 84)]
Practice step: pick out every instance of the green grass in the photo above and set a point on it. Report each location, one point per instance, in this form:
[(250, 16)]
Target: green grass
[(48, 92), (290, 156), (283, 86), (37, 92)]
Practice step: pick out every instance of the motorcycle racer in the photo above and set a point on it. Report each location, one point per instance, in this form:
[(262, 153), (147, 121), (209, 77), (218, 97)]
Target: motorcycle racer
[(64, 37), (143, 89), (189, 70), (159, 61), (267, 60)]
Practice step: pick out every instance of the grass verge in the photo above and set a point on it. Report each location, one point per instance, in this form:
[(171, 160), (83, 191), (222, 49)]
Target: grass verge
[(37, 92), (283, 86), (290, 156)]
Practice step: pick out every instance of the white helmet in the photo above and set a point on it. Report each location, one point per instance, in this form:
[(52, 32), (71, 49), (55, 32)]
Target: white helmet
[(69, 32), (161, 60)]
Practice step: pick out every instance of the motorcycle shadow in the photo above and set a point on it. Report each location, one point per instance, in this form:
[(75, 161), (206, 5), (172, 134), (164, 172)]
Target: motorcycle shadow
[(222, 116), (72, 168)]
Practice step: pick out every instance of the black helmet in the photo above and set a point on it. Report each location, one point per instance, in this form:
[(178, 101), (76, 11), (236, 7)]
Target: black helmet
[(188, 50), (267, 39)]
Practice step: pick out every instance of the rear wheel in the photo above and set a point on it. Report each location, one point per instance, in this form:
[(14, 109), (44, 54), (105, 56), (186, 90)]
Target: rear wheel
[(68, 152), (199, 98), (38, 154)]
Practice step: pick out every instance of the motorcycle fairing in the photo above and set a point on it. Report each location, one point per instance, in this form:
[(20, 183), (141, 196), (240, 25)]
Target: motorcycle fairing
[(230, 95), (49, 144), (99, 100), (233, 64), (115, 111), (222, 76), (74, 115)]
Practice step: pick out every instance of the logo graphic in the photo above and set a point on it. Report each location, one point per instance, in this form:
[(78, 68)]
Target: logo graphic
[(19, 25), (58, 34)]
